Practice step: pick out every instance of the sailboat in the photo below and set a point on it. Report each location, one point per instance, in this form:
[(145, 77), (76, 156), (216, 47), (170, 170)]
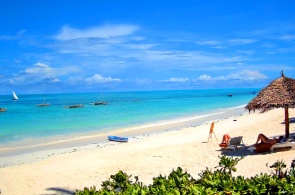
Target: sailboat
[(44, 104), (2, 109), (14, 96)]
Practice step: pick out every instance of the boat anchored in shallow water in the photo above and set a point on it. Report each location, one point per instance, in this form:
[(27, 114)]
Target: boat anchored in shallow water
[(43, 105), (75, 106), (2, 109), (99, 103)]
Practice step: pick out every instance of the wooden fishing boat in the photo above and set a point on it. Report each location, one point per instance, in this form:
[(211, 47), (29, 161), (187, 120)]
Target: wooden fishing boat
[(99, 103), (75, 106), (43, 104)]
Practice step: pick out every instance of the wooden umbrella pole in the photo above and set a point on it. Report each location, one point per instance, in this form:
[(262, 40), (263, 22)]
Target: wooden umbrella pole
[(286, 121)]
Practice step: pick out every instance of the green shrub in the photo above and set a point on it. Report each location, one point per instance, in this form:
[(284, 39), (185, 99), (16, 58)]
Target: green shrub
[(217, 182)]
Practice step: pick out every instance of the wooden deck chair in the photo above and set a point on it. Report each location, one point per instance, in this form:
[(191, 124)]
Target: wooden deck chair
[(212, 132)]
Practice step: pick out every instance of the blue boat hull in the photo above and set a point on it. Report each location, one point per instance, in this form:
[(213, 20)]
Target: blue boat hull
[(118, 139)]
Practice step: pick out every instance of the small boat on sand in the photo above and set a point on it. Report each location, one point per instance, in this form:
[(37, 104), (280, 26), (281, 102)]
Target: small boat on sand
[(118, 139), (75, 106)]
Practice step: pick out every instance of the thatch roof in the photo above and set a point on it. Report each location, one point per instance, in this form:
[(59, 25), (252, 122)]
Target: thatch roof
[(279, 93)]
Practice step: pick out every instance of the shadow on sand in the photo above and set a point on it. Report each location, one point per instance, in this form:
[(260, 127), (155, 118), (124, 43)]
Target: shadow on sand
[(59, 191), (291, 120), (240, 152)]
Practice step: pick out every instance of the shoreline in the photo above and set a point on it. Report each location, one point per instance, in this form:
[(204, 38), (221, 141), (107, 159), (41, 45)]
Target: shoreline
[(146, 156), (89, 138), (12, 156)]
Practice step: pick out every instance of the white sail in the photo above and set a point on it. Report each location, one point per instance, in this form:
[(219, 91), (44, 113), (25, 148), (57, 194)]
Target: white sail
[(14, 96)]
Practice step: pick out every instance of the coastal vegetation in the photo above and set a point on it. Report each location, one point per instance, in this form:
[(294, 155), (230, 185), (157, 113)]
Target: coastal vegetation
[(280, 180)]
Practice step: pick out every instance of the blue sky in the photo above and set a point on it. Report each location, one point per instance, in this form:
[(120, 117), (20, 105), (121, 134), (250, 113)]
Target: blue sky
[(115, 45)]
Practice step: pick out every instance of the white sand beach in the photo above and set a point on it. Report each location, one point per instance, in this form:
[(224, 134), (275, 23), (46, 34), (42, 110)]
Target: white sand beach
[(52, 171)]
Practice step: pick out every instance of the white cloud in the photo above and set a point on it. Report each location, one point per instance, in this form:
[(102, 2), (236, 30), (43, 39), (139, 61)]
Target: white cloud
[(205, 77), (222, 78), (139, 46), (41, 65), (41, 72), (97, 78), (190, 59), (241, 41), (68, 33), (55, 80), (244, 75), (7, 37), (248, 52), (177, 80), (142, 81), (39, 68), (268, 45), (46, 71), (288, 37), (12, 37), (209, 42), (250, 75), (220, 44)]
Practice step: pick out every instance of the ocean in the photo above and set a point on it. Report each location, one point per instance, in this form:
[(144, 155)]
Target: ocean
[(24, 121)]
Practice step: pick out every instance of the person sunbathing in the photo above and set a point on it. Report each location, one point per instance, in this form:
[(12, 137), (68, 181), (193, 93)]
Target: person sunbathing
[(225, 140), (266, 140)]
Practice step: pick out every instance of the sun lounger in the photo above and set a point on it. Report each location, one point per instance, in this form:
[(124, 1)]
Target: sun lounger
[(234, 142), (266, 147), (283, 146)]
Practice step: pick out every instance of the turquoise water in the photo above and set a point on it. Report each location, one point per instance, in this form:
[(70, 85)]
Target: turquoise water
[(23, 120)]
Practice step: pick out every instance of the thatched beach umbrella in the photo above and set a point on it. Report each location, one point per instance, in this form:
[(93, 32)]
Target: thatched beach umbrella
[(280, 93)]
